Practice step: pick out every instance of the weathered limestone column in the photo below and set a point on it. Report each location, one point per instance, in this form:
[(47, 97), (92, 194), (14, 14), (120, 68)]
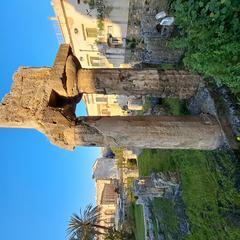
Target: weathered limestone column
[(46, 98), (152, 82), (169, 132), (130, 82)]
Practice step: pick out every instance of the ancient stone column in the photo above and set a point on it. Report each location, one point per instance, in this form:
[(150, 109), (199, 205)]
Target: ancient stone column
[(169, 132), (36, 101), (130, 82), (65, 130), (46, 98), (151, 82)]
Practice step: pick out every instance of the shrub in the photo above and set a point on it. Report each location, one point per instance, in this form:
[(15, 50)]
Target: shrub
[(211, 33)]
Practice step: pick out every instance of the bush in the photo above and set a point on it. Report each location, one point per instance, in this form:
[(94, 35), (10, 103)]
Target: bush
[(211, 33)]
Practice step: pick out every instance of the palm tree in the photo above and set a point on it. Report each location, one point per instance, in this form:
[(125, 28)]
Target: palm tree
[(85, 226)]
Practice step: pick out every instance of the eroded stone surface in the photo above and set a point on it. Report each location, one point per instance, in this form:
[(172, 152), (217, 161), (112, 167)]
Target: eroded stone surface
[(166, 186), (185, 132), (130, 82), (38, 99), (46, 98)]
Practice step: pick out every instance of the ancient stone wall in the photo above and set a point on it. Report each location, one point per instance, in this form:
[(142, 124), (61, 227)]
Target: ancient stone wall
[(166, 186), (39, 99)]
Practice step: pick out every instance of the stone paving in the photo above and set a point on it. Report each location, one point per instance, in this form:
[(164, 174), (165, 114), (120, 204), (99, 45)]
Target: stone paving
[(151, 47)]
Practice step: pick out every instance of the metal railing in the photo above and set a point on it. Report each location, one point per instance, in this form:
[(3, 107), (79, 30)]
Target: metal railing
[(58, 32)]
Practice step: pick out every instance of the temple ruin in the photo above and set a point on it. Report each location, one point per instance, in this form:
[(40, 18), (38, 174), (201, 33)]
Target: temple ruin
[(45, 99)]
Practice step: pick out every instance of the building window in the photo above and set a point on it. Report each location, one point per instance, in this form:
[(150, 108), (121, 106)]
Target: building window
[(78, 1), (76, 30), (109, 212), (101, 99), (95, 61), (83, 31), (91, 32), (110, 30), (110, 220)]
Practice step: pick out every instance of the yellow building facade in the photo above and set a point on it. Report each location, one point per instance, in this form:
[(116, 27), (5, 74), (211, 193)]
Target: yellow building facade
[(106, 177), (96, 31)]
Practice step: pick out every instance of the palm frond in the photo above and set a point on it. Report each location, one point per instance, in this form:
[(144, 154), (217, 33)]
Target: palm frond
[(85, 225)]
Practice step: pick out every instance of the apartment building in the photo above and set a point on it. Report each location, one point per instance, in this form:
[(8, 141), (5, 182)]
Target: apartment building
[(96, 31), (106, 177)]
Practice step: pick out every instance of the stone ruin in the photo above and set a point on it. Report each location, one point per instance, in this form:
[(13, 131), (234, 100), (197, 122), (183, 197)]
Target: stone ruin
[(163, 185), (156, 186), (45, 99)]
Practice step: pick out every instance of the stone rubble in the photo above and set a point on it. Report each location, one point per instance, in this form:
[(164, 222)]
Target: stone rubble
[(160, 185)]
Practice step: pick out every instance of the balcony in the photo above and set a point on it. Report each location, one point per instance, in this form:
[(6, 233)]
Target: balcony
[(114, 42)]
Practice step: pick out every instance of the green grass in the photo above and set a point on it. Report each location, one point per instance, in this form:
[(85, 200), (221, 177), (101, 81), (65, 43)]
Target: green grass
[(207, 179), (150, 161), (209, 194), (175, 106), (130, 194), (166, 66), (139, 222), (146, 106), (136, 220), (135, 213), (165, 220)]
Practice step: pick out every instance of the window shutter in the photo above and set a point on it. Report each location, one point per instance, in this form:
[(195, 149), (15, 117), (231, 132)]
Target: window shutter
[(91, 32)]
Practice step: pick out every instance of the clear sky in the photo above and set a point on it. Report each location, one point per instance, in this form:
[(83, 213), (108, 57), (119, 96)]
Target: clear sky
[(40, 185)]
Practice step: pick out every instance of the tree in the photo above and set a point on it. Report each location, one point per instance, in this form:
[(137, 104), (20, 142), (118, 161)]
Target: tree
[(85, 226), (118, 153)]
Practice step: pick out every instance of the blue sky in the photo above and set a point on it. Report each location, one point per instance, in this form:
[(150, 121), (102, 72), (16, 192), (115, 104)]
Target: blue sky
[(40, 185)]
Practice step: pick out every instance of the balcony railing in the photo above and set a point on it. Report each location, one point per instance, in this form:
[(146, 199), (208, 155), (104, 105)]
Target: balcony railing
[(57, 30)]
